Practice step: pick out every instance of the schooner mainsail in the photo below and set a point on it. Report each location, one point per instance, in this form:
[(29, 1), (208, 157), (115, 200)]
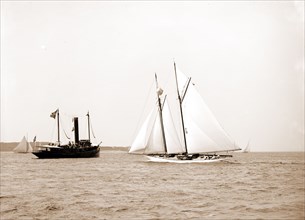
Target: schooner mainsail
[(202, 135)]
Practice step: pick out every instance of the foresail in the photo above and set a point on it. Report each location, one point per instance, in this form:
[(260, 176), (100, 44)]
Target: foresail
[(150, 139), (140, 141), (155, 144), (172, 139)]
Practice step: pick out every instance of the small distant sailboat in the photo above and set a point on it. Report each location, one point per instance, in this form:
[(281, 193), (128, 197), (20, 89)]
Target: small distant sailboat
[(23, 147), (202, 135), (247, 148)]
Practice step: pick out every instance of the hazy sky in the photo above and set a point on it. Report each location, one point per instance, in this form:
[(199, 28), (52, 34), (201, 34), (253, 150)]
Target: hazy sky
[(245, 57)]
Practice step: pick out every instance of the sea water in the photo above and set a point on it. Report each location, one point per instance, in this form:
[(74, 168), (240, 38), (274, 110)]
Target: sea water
[(121, 186)]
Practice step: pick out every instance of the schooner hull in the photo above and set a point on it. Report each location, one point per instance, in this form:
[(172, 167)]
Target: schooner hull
[(176, 160), (67, 153)]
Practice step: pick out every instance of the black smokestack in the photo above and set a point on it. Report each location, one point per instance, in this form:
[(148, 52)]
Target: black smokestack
[(76, 136)]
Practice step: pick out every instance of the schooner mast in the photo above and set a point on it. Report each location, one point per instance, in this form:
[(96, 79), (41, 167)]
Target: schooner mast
[(180, 107), (159, 93)]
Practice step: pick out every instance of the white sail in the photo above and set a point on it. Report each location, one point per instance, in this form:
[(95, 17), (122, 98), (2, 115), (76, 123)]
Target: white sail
[(23, 147), (203, 131), (155, 144), (173, 143), (150, 138), (139, 144), (247, 148), (30, 148)]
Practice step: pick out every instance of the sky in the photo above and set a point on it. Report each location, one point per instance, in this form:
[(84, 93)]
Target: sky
[(246, 59)]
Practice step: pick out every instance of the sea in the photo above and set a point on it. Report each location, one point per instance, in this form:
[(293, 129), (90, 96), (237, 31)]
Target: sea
[(118, 185)]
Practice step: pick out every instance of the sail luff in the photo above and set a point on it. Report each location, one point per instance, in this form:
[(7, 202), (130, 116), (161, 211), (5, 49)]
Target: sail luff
[(160, 113)]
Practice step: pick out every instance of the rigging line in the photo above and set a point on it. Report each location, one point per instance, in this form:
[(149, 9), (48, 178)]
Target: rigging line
[(66, 134), (72, 115), (141, 116), (52, 134), (61, 122), (167, 80), (163, 102), (91, 128), (168, 84), (186, 88)]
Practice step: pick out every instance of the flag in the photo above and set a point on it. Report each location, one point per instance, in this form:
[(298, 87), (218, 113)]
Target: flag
[(53, 114), (34, 140), (159, 91)]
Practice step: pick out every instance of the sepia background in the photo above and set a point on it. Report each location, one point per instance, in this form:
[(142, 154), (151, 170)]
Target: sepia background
[(246, 59)]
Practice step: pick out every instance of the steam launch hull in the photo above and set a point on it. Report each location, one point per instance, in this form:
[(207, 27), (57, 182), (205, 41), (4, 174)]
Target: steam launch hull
[(68, 152), (78, 149)]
